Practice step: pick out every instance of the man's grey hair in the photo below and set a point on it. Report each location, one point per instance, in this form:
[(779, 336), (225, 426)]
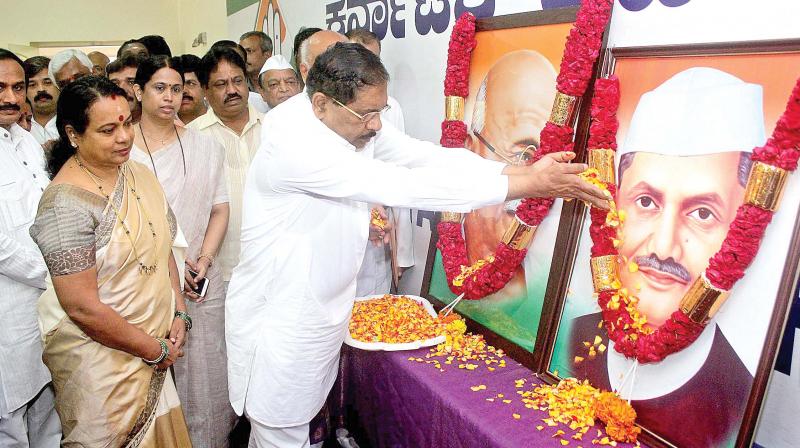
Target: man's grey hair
[(742, 171), (266, 41), (303, 53), (479, 109), (62, 57)]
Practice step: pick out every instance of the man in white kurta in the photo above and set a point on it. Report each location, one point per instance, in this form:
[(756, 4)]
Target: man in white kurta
[(305, 226)]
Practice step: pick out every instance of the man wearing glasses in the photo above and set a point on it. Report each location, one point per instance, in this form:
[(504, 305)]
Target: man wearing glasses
[(325, 155)]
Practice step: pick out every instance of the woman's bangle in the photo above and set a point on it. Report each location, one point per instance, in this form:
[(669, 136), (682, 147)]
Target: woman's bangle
[(163, 356), (209, 257), (186, 319)]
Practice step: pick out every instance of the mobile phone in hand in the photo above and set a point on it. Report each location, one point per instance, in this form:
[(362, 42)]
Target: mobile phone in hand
[(202, 284)]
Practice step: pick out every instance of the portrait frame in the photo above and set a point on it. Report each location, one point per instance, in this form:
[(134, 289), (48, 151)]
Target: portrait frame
[(535, 20), (712, 55)]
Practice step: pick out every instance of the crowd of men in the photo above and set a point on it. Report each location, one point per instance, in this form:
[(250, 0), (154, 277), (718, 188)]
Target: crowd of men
[(220, 99)]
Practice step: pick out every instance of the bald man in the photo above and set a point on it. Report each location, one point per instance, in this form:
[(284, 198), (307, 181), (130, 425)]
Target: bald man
[(511, 108), (314, 46), (99, 63)]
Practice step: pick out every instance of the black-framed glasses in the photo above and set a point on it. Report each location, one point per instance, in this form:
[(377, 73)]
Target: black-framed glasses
[(365, 118), (522, 159)]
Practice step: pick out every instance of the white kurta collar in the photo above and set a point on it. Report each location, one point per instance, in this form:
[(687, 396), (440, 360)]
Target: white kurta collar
[(658, 379)]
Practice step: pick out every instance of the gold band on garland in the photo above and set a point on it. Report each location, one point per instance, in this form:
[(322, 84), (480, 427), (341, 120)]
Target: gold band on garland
[(519, 235), (451, 217), (564, 107), (765, 186), (605, 273), (702, 300), (454, 108), (603, 161)]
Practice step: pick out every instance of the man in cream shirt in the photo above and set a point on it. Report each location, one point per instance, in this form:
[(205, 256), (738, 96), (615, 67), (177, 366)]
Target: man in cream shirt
[(237, 126), (325, 155)]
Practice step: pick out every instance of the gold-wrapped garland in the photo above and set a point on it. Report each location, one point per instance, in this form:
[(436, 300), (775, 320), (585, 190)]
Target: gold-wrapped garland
[(564, 107), (765, 186), (603, 161), (702, 301), (605, 273), (451, 217), (454, 108), (519, 235)]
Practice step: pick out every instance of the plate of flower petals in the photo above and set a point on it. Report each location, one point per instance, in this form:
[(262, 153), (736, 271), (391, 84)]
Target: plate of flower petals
[(393, 323)]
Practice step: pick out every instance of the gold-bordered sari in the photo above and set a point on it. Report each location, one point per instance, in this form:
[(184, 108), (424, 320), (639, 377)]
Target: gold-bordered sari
[(107, 397)]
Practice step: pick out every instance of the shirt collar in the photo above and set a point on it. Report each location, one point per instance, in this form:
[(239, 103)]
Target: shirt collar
[(210, 118)]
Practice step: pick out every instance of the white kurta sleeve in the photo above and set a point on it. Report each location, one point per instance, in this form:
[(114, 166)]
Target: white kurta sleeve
[(326, 167), (398, 148), (20, 263)]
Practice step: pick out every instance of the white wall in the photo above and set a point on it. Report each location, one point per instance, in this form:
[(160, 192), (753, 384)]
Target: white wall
[(115, 21)]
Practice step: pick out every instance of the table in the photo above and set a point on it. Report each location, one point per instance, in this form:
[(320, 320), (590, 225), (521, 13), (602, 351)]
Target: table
[(402, 403)]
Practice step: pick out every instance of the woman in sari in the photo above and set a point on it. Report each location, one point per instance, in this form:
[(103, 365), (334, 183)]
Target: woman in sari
[(190, 167), (111, 323)]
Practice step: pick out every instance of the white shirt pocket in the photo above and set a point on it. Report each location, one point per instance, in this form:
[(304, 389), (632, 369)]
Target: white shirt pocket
[(13, 207)]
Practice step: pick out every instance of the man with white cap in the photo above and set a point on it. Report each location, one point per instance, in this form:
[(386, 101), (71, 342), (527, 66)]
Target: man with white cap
[(682, 174), (68, 65), (278, 81)]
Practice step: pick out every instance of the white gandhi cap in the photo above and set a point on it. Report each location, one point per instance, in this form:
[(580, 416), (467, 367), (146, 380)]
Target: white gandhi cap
[(698, 111), (275, 62)]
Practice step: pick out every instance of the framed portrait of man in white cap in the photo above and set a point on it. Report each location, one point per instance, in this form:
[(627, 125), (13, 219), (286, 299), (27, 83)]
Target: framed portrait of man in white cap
[(512, 86), (690, 118)]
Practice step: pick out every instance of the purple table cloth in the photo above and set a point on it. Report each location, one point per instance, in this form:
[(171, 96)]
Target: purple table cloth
[(402, 403)]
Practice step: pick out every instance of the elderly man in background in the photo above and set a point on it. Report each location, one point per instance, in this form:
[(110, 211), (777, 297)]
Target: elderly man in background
[(27, 411), (43, 95), (259, 48), (278, 81), (237, 126), (99, 63), (122, 72), (68, 65), (193, 104), (315, 45)]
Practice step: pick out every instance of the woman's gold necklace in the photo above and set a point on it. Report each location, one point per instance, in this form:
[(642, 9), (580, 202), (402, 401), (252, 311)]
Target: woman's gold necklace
[(143, 269)]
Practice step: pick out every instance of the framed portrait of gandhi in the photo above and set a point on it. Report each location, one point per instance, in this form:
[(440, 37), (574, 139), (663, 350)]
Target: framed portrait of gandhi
[(512, 83), (689, 119)]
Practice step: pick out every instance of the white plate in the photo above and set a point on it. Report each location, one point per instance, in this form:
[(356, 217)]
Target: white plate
[(385, 346)]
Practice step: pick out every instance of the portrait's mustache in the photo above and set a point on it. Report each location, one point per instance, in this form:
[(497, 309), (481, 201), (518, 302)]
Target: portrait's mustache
[(42, 95), (369, 135), (668, 266), (188, 97), (232, 97), (14, 107)]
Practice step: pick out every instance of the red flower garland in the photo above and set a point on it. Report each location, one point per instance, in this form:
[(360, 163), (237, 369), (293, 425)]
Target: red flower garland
[(581, 51), (725, 268)]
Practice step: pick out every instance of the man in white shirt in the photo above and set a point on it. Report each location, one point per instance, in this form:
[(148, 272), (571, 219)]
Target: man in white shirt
[(376, 274), (68, 65), (27, 412), (43, 95), (237, 126), (324, 156)]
